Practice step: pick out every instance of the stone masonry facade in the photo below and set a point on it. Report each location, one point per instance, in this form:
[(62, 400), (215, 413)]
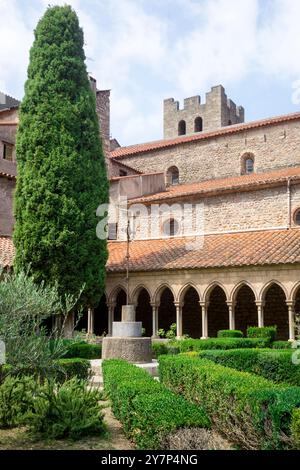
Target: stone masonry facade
[(218, 111)]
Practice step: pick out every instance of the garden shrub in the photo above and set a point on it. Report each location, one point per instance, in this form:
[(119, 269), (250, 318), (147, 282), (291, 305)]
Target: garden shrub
[(16, 399), (273, 365), (69, 410), (296, 428), (83, 350), (230, 334), (250, 410), (268, 332), (185, 345), (147, 410), (69, 368), (282, 345), (159, 348)]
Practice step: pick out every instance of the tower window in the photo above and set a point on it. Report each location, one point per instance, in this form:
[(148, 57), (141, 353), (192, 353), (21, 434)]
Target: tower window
[(112, 230), (182, 128), (297, 217), (8, 151), (229, 122), (173, 175), (247, 164), (122, 173), (170, 227), (198, 125)]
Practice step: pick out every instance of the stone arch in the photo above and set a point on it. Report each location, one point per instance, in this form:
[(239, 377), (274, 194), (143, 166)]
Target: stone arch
[(172, 175), (166, 309), (217, 312), (274, 296), (198, 124), (157, 294), (143, 310), (182, 127), (120, 300), (135, 293), (191, 312), (210, 287), (247, 163), (184, 289), (101, 317), (245, 308), (295, 296), (266, 287), (114, 292)]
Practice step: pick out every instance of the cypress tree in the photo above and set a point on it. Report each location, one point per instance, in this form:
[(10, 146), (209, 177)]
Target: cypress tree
[(61, 168)]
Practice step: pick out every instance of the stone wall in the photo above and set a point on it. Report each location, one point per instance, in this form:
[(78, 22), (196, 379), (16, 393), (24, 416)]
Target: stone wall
[(251, 210), (6, 206), (8, 134), (274, 146), (218, 111)]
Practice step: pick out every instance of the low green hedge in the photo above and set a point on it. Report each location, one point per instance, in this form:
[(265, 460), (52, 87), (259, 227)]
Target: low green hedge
[(273, 365), (186, 345), (268, 332), (159, 348), (73, 367), (282, 345), (296, 427), (83, 350), (147, 410), (250, 410), (230, 334)]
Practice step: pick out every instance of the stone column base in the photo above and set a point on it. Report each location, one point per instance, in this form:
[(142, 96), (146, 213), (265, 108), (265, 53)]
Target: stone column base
[(135, 350)]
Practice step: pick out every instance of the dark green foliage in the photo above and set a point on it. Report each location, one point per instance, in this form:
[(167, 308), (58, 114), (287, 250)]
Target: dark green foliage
[(282, 345), (273, 365), (186, 345), (147, 410), (296, 428), (16, 399), (250, 410), (159, 348), (83, 350), (69, 410), (69, 368), (268, 332), (61, 168), (230, 334)]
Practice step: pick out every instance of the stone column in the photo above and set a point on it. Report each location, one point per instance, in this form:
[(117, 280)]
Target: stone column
[(204, 309), (69, 326), (90, 328), (290, 305), (178, 306), (231, 308), (260, 313), (154, 319), (111, 309)]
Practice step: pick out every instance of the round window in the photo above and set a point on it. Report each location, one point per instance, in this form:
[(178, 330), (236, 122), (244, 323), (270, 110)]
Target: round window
[(171, 227), (297, 217)]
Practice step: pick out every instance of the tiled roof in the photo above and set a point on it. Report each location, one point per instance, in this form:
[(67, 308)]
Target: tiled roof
[(7, 175), (223, 250), (7, 251), (161, 144), (123, 165), (234, 183), (9, 123), (10, 102)]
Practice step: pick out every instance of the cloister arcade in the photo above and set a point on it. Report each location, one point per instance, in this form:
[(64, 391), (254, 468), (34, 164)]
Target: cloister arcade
[(199, 311)]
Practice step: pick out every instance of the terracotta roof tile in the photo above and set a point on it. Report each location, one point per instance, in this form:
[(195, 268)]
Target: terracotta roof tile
[(161, 144), (221, 250), (234, 183)]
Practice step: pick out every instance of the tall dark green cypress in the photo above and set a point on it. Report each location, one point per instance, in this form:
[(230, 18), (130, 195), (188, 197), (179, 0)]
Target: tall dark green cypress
[(61, 168)]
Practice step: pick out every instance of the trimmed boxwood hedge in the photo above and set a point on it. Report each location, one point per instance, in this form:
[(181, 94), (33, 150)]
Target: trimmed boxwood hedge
[(83, 350), (147, 410), (230, 334), (268, 332), (282, 345), (250, 410), (220, 343), (273, 365)]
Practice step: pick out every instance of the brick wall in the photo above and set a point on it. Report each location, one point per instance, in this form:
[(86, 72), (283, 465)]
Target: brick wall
[(274, 146)]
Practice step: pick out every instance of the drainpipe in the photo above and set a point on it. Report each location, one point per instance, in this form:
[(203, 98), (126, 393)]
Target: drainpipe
[(289, 203)]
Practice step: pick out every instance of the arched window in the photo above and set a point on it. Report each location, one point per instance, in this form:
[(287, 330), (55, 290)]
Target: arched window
[(229, 122), (170, 227), (181, 128), (198, 125), (173, 175), (247, 164), (297, 217)]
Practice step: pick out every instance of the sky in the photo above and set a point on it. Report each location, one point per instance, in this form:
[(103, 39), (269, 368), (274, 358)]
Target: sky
[(149, 50)]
